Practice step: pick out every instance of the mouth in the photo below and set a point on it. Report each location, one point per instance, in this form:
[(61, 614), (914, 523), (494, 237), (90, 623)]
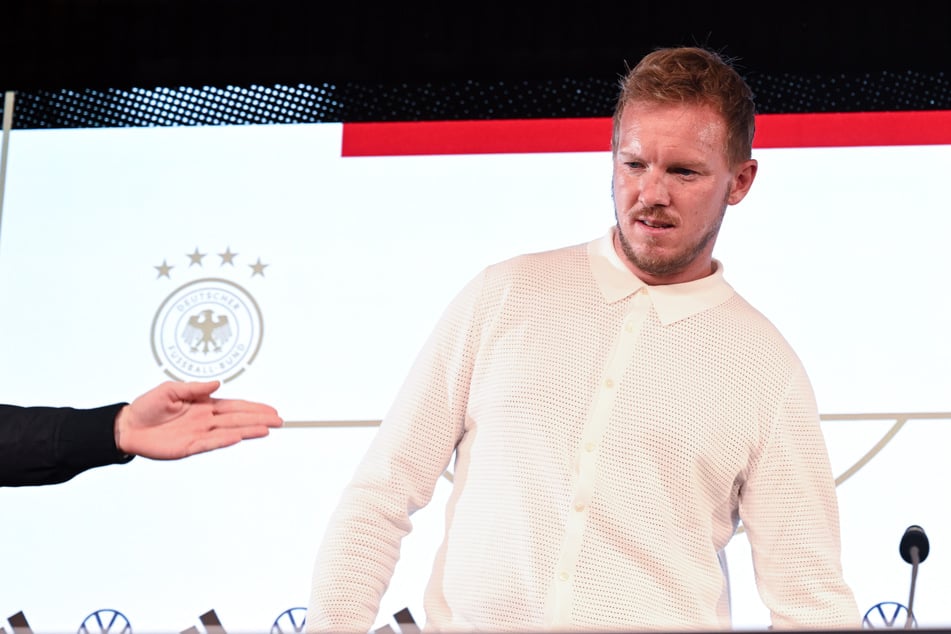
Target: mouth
[(655, 223)]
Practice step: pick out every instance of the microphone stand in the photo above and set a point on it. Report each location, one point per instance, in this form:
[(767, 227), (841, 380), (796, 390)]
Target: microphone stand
[(915, 560), (914, 550)]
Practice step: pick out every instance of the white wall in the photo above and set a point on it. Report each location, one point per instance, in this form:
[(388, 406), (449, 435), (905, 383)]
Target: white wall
[(844, 248)]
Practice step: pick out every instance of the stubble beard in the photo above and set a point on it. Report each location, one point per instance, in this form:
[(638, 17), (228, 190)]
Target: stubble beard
[(657, 265)]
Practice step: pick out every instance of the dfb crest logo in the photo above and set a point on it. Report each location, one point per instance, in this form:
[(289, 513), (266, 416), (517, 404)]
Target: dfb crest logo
[(209, 328)]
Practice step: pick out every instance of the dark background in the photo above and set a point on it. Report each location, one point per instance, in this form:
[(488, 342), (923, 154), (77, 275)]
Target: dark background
[(449, 60)]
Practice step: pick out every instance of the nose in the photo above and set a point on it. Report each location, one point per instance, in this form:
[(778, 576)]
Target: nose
[(653, 189)]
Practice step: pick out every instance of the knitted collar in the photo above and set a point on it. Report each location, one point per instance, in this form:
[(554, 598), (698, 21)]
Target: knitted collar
[(672, 302)]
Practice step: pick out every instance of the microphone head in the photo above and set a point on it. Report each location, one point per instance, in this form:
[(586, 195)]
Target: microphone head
[(914, 537)]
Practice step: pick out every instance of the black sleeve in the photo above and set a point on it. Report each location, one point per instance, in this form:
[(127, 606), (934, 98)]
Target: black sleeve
[(47, 445)]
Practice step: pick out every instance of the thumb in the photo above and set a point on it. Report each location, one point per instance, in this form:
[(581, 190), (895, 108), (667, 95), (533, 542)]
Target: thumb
[(194, 390)]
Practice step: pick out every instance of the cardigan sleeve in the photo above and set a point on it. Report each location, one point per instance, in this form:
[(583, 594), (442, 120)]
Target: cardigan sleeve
[(397, 476), (790, 510), (49, 445)]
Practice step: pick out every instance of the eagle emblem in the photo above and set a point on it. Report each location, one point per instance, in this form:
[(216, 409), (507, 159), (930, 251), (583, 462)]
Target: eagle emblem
[(209, 328), (207, 331)]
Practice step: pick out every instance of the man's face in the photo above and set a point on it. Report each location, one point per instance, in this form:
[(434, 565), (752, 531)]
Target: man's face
[(671, 186)]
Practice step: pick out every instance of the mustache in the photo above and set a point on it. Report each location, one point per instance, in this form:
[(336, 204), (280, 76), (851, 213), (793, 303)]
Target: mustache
[(656, 214)]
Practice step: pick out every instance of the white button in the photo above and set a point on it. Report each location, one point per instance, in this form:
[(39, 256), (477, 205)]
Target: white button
[(563, 575), (589, 447), (608, 383), (579, 507)]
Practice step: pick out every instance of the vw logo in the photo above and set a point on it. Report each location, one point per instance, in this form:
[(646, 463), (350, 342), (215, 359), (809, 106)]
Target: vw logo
[(887, 614), (105, 622), (290, 621)]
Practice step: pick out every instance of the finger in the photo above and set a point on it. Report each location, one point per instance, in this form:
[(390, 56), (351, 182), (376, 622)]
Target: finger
[(214, 440), (194, 390), (220, 438), (247, 419), (254, 431), (229, 406)]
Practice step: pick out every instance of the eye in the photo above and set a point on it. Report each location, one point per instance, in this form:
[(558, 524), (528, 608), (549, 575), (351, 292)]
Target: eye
[(683, 171), (634, 165)]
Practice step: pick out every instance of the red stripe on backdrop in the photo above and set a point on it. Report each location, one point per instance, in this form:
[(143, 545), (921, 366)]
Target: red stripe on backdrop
[(492, 136), (511, 136), (913, 127)]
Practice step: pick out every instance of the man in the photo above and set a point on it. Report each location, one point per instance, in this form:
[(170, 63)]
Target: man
[(48, 445), (615, 409)]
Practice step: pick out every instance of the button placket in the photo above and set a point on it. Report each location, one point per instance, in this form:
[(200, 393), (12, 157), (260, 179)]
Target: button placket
[(586, 458)]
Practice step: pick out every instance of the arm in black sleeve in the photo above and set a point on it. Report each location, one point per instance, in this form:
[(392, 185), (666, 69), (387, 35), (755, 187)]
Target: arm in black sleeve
[(48, 445)]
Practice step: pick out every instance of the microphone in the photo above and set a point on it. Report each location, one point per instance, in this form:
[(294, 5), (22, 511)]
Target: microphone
[(914, 538), (914, 549)]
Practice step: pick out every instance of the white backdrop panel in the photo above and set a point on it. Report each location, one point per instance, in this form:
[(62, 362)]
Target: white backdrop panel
[(844, 248)]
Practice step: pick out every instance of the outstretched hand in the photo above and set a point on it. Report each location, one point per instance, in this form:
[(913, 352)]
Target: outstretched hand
[(179, 419)]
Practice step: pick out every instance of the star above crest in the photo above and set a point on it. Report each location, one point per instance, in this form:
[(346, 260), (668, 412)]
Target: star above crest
[(228, 257), (258, 268), (196, 257), (164, 269)]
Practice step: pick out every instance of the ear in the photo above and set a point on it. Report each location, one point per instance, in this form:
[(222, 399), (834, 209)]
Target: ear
[(742, 181)]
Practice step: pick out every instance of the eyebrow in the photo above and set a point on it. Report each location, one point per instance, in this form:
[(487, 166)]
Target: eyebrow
[(695, 165)]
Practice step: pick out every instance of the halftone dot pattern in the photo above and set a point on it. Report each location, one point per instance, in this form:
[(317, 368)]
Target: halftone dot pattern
[(867, 92), (207, 105), (360, 101)]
